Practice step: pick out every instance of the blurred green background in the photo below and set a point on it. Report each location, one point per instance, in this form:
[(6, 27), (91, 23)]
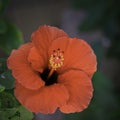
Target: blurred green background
[(96, 21)]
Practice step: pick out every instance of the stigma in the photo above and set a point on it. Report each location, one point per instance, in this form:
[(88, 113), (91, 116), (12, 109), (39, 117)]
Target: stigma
[(56, 59)]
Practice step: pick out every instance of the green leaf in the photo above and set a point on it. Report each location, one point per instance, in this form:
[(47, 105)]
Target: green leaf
[(7, 113), (24, 114), (19, 113), (7, 80), (2, 88), (10, 108), (7, 100), (3, 116), (11, 39)]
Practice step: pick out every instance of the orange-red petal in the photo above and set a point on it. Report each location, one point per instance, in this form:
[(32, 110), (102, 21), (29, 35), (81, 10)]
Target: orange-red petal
[(78, 55), (43, 37), (36, 60), (80, 90), (45, 100), (21, 68)]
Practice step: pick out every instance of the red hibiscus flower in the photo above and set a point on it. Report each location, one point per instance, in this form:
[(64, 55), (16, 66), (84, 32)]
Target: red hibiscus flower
[(53, 71)]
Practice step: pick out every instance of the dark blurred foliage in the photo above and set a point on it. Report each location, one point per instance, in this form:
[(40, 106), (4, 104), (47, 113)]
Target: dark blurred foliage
[(10, 38), (104, 15)]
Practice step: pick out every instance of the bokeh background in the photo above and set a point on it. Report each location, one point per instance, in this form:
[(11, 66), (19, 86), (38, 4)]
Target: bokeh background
[(96, 21)]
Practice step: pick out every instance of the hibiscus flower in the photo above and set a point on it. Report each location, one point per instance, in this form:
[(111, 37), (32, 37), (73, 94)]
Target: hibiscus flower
[(53, 71)]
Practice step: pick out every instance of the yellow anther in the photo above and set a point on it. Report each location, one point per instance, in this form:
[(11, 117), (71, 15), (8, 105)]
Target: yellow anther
[(56, 59)]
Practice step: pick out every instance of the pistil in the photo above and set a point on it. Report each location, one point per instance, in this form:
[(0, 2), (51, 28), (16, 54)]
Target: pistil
[(50, 73)]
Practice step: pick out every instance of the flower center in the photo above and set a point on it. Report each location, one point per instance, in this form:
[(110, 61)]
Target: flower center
[(56, 59), (51, 79)]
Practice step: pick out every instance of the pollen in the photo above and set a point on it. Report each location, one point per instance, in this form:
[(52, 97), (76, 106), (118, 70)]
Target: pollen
[(56, 59)]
